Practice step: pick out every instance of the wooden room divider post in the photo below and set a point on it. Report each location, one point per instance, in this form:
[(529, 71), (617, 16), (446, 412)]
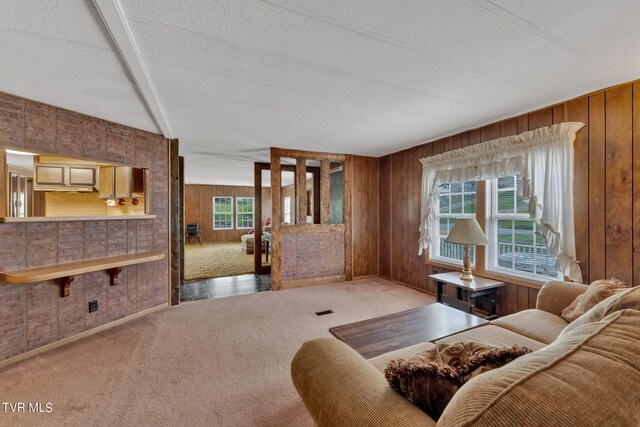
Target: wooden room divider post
[(175, 221), (325, 166), (257, 197), (276, 207)]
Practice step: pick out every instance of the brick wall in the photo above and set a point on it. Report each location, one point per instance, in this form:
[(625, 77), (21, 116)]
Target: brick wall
[(32, 315), (312, 255)]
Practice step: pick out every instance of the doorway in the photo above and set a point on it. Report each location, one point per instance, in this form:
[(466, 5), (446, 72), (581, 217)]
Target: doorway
[(221, 241)]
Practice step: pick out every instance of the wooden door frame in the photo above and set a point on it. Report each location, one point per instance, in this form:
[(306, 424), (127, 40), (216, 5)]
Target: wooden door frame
[(257, 197), (176, 221)]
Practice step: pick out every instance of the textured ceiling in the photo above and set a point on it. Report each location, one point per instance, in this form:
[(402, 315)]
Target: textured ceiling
[(235, 77), (59, 52)]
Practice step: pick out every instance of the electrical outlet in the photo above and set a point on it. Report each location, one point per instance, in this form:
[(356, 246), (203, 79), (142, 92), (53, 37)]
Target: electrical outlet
[(93, 306)]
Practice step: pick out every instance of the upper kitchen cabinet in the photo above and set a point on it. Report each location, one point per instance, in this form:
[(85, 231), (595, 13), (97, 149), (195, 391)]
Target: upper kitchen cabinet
[(121, 182), (64, 174)]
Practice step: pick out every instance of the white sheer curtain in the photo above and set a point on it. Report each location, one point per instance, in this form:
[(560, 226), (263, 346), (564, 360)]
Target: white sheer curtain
[(542, 157)]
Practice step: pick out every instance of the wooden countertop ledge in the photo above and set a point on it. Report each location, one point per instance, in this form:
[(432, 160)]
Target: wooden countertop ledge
[(67, 271)]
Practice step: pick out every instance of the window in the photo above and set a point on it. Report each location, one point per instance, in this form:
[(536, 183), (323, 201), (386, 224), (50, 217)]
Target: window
[(457, 200), (545, 158), (244, 212), (286, 211), (515, 246), (223, 213)]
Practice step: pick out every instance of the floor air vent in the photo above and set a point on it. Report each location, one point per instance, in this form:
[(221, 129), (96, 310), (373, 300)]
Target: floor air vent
[(323, 313)]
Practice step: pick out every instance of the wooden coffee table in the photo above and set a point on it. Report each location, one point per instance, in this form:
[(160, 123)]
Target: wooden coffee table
[(380, 335)]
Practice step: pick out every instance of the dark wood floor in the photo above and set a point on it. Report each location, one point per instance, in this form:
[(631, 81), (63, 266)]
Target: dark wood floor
[(220, 287)]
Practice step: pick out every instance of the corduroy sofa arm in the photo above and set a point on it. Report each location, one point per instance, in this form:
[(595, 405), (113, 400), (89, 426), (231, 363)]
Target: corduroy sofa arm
[(340, 388), (555, 295)]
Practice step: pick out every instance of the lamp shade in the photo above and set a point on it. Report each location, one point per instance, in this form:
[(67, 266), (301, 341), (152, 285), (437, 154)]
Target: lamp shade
[(468, 232)]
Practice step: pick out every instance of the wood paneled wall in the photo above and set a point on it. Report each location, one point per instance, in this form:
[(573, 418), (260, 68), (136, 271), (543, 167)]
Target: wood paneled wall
[(267, 211), (365, 224), (606, 192), (199, 209)]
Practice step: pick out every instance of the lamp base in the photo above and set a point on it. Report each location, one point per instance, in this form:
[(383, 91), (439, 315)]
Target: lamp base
[(466, 264), (466, 275)]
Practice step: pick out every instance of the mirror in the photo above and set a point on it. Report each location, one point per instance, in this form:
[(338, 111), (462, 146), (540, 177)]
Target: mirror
[(51, 186), (336, 191)]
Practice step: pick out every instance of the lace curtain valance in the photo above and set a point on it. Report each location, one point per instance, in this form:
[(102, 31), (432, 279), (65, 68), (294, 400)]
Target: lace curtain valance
[(542, 157)]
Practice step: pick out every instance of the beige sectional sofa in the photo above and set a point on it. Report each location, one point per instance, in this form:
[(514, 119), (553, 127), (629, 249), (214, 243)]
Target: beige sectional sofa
[(586, 373)]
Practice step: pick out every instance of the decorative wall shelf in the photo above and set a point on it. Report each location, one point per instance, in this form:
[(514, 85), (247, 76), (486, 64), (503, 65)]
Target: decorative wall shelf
[(67, 271)]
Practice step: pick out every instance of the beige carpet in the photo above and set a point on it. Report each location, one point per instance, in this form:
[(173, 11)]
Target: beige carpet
[(222, 362), (217, 260)]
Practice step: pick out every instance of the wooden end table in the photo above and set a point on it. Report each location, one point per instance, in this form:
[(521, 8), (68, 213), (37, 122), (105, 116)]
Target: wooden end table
[(383, 334), (468, 292)]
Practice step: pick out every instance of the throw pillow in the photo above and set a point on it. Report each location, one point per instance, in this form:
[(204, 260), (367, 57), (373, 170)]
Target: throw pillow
[(598, 291), (431, 378), (621, 300)]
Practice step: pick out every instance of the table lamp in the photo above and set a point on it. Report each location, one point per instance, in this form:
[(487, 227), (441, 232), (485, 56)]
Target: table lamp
[(467, 231)]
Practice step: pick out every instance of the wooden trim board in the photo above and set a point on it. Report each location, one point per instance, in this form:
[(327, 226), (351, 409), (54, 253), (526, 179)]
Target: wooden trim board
[(310, 155)]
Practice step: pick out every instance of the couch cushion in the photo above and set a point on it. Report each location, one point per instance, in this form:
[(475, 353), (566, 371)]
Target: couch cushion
[(629, 298), (596, 292), (589, 376), (493, 336), (533, 323), (555, 295), (381, 362)]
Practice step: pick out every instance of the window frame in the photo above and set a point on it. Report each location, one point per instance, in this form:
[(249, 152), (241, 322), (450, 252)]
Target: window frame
[(493, 216), (434, 249), (253, 212), (213, 207)]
